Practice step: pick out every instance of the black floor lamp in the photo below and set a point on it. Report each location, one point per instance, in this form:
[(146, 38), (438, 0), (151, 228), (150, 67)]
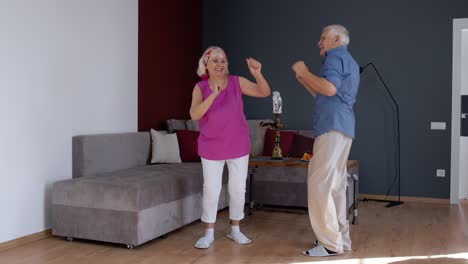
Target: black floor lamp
[(397, 176)]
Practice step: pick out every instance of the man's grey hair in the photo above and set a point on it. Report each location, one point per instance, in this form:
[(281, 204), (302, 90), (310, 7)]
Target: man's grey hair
[(340, 31)]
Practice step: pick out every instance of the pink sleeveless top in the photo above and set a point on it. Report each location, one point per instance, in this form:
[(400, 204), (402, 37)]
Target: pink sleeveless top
[(224, 133)]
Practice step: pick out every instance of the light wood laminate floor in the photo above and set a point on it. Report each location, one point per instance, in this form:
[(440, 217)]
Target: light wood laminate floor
[(411, 233)]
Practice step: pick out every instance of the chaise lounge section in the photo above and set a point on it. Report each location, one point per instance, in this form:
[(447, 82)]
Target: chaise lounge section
[(115, 196)]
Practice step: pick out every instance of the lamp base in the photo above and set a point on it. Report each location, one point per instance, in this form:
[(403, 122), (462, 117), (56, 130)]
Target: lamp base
[(393, 203), (390, 203)]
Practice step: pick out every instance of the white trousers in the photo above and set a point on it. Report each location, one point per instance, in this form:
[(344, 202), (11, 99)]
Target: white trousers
[(212, 182), (326, 189)]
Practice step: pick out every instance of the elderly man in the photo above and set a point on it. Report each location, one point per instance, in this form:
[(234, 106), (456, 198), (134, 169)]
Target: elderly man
[(335, 92)]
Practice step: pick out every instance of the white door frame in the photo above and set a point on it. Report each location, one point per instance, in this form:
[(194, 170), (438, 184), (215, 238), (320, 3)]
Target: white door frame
[(458, 26)]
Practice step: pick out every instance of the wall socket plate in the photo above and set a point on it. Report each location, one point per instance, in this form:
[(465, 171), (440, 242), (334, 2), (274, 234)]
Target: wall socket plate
[(438, 125), (440, 173)]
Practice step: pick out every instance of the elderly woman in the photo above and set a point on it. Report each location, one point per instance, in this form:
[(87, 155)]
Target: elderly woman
[(224, 136)]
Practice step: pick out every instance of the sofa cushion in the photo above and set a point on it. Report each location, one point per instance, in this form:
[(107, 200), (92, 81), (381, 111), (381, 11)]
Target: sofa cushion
[(306, 133), (301, 144), (188, 145), (286, 140), (192, 125), (175, 124), (165, 147), (132, 189), (93, 154)]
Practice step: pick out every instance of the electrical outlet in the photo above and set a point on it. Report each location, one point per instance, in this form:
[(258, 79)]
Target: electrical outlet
[(438, 125), (440, 173)]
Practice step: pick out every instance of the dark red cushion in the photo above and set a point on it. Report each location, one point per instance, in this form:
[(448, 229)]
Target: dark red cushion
[(301, 144), (188, 145), (286, 140)]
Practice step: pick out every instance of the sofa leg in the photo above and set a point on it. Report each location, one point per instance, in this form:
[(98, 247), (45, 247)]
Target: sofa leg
[(355, 217), (130, 247), (69, 239), (163, 236)]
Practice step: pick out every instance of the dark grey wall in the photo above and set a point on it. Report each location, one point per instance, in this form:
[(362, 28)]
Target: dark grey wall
[(410, 42)]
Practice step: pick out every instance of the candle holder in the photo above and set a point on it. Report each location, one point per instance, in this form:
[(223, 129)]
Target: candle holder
[(276, 126)]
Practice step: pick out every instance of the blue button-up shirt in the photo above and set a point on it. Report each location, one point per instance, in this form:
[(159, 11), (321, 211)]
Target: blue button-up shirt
[(336, 112)]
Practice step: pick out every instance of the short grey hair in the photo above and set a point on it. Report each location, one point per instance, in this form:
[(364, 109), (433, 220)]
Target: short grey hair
[(338, 30)]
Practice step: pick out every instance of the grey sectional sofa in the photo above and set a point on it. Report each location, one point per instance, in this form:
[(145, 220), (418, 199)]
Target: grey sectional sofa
[(287, 186), (115, 196)]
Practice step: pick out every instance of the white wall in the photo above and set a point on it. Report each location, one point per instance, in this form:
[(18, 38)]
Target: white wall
[(464, 140), (458, 174), (67, 67)]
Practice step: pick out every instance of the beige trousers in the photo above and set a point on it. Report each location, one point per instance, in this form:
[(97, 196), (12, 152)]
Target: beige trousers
[(326, 188)]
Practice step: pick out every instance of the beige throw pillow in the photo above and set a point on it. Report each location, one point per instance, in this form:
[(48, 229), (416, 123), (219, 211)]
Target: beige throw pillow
[(165, 148), (257, 136)]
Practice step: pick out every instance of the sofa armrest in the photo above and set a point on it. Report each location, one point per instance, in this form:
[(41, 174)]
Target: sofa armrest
[(95, 154)]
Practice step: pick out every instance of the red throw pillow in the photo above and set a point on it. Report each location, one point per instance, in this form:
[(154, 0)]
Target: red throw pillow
[(188, 145), (301, 144), (286, 140)]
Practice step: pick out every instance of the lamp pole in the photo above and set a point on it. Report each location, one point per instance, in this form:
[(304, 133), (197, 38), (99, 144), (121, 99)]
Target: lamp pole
[(390, 203)]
